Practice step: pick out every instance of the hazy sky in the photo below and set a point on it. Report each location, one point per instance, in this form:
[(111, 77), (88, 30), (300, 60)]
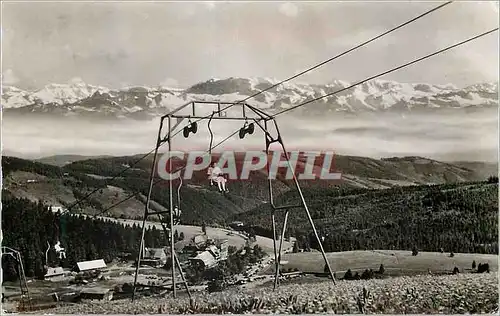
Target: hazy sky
[(117, 44)]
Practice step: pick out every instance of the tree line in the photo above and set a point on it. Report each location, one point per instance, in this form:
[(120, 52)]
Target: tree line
[(28, 226), (455, 217)]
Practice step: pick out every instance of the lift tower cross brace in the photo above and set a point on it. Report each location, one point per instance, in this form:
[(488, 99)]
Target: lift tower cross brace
[(25, 304), (247, 113)]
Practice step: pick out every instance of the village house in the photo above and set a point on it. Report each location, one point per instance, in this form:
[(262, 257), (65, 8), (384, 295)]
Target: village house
[(197, 243), (200, 241), (236, 225), (54, 274), (91, 265), (56, 209), (155, 257), (204, 260), (211, 256), (96, 293)]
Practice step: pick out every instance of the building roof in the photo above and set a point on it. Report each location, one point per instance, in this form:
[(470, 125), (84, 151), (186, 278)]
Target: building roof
[(200, 239), (54, 271), (91, 265), (206, 257), (213, 249), (222, 242), (95, 290), (155, 253), (181, 244), (56, 209)]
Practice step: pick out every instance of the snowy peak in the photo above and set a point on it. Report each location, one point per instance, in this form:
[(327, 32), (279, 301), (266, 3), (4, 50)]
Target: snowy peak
[(54, 93), (374, 95), (65, 93), (77, 97)]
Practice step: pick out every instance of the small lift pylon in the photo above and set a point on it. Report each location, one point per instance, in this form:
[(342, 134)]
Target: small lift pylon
[(25, 303)]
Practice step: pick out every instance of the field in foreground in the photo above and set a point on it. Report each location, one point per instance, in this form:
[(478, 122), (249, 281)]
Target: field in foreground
[(451, 294)]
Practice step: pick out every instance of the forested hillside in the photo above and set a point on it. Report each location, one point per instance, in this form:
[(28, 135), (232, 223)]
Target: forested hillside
[(65, 185), (454, 217), (28, 226), (199, 202)]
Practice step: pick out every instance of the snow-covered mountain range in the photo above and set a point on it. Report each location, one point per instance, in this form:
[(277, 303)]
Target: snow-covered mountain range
[(81, 99)]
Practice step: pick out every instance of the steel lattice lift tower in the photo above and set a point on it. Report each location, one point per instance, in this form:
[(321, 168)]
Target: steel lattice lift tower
[(25, 303), (246, 113)]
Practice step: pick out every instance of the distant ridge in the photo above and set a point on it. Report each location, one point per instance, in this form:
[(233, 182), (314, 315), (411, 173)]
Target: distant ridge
[(62, 160)]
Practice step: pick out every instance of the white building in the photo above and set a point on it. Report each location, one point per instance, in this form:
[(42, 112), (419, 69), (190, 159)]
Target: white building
[(155, 257), (91, 265), (56, 209), (54, 273)]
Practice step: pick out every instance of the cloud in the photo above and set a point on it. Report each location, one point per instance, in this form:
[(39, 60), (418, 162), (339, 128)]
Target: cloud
[(357, 37), (289, 9), (124, 85), (495, 5), (210, 5), (8, 77), (169, 82), (76, 80)]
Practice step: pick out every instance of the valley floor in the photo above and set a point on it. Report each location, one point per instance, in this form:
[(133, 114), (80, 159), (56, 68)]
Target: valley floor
[(450, 294)]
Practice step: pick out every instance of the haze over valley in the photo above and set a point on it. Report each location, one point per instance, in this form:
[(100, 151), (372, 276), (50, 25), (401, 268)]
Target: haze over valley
[(378, 119)]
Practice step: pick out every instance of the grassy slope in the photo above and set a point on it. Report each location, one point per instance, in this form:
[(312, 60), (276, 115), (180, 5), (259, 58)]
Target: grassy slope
[(62, 160), (482, 169), (67, 190)]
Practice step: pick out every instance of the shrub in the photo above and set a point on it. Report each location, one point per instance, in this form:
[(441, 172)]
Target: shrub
[(455, 270), (493, 179), (168, 264), (483, 267), (473, 264), (325, 269), (381, 269), (216, 285), (367, 274), (348, 275)]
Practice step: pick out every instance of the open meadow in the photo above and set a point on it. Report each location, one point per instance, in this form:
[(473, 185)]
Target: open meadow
[(395, 262)]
